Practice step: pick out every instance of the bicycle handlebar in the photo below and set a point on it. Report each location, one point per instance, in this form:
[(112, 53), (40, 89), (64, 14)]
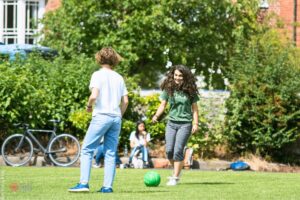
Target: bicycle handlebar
[(23, 125), (26, 126), (55, 121)]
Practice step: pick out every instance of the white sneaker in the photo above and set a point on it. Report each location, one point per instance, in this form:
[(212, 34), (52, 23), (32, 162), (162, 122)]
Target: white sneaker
[(172, 181), (96, 165)]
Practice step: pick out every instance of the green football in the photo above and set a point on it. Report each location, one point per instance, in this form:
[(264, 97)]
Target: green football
[(152, 179)]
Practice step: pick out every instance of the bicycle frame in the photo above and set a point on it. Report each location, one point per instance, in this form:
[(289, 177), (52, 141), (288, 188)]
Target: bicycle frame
[(33, 138), (60, 149), (29, 133)]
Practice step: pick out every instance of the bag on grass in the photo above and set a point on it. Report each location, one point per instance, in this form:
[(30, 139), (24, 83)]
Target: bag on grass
[(239, 165)]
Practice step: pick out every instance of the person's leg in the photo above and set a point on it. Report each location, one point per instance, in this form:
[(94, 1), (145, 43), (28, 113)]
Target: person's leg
[(118, 160), (182, 137), (100, 154), (133, 151), (111, 140), (144, 154), (170, 137), (98, 126), (177, 168)]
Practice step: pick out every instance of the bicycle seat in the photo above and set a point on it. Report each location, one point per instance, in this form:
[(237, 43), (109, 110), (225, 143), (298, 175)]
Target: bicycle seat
[(56, 121)]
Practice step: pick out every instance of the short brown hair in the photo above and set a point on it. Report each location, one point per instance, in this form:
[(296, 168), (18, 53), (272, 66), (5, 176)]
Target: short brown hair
[(107, 55)]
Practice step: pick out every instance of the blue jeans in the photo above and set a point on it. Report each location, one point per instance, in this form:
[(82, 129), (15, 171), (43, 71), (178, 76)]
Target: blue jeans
[(100, 155), (109, 127), (143, 150)]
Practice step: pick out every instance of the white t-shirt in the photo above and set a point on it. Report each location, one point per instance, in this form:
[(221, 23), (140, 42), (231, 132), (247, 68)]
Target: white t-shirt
[(111, 89), (139, 141)]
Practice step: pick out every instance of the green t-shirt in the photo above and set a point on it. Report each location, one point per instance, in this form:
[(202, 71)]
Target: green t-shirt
[(180, 106)]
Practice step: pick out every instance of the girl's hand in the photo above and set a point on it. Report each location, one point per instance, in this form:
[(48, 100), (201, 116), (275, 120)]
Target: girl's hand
[(195, 128), (144, 133), (154, 119)]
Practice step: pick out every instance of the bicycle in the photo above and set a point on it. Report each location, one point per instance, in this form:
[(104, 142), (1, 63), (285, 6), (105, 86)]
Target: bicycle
[(63, 150)]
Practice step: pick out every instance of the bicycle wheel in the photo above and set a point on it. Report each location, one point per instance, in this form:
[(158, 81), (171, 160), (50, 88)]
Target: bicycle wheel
[(17, 150), (64, 150)]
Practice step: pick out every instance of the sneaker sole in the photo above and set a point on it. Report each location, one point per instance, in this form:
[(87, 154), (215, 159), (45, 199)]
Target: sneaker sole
[(79, 190)]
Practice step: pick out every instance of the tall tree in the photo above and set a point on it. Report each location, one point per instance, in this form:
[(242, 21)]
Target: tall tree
[(149, 33)]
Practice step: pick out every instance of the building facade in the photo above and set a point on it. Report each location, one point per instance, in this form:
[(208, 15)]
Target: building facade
[(19, 19), (289, 12)]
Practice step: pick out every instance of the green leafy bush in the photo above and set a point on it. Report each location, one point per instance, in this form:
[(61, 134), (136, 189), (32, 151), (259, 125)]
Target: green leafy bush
[(36, 90), (263, 109), (142, 108), (80, 119), (139, 108), (211, 125)]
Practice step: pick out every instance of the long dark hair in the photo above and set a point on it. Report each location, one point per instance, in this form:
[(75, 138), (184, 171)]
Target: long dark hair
[(188, 86), (137, 128)]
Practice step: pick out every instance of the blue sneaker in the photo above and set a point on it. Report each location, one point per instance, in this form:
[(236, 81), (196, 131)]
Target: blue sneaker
[(106, 190), (80, 188)]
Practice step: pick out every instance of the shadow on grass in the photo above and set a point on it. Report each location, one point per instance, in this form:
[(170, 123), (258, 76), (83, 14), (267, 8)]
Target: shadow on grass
[(207, 183), (144, 191)]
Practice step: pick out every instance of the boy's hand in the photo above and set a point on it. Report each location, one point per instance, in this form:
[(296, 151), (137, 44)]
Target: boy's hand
[(89, 109)]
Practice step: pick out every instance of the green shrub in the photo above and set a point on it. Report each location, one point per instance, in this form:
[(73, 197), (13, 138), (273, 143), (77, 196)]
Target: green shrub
[(139, 108), (211, 127), (80, 119), (142, 108), (36, 90), (263, 108)]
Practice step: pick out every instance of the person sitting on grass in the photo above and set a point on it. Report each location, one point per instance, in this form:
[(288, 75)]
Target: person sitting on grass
[(138, 142)]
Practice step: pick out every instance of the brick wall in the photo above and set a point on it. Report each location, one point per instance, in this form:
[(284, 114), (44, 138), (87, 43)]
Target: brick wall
[(285, 9)]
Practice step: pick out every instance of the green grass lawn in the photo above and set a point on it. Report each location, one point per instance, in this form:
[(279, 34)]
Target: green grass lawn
[(52, 183)]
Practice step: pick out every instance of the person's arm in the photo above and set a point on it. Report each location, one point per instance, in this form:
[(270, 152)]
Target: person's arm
[(159, 111), (124, 104), (145, 138), (132, 139), (195, 117), (132, 144), (92, 99)]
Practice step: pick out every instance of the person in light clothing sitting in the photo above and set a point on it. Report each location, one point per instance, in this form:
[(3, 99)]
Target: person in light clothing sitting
[(138, 142)]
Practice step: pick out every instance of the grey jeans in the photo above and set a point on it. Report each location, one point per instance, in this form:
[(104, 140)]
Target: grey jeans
[(177, 135)]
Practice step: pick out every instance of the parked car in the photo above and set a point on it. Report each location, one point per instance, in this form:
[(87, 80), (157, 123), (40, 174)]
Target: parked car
[(10, 51)]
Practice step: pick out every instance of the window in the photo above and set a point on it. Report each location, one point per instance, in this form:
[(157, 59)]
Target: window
[(32, 8), (10, 25), (19, 20)]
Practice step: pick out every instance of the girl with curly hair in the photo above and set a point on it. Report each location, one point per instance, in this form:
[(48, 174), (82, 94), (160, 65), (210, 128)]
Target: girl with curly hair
[(180, 91)]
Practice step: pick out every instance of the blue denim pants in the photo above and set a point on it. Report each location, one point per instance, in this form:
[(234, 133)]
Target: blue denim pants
[(143, 150), (100, 155), (109, 127)]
